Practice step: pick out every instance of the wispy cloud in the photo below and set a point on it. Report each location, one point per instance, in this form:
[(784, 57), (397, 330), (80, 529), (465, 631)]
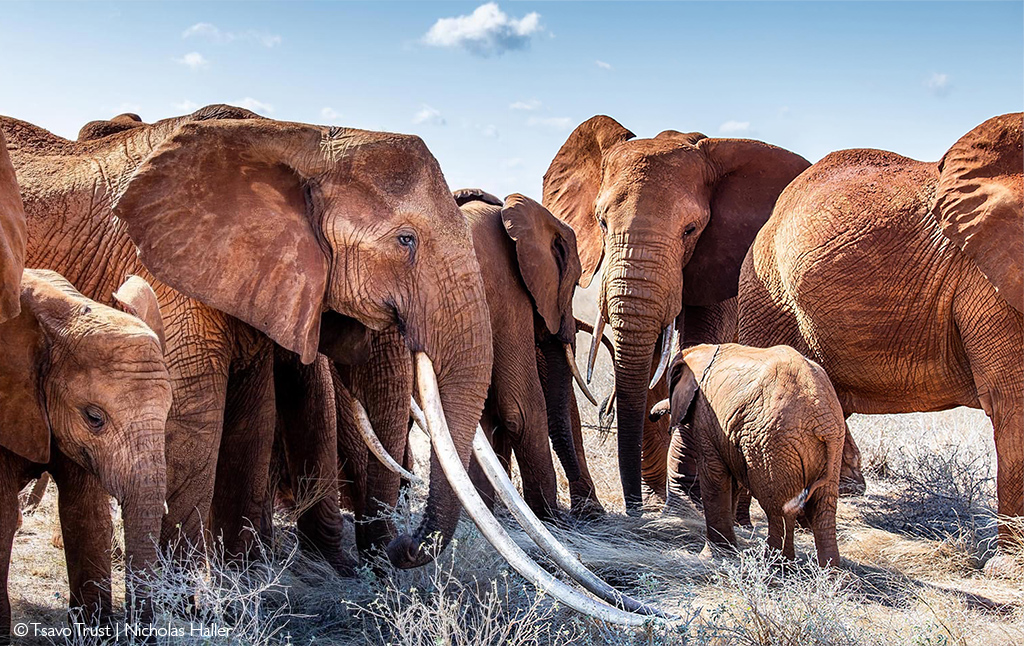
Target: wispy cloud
[(193, 60), (555, 123), (330, 115), (532, 104), (490, 131), (733, 127), (427, 114), (255, 105), (488, 31), (938, 84), (603, 65), (186, 106), (215, 34)]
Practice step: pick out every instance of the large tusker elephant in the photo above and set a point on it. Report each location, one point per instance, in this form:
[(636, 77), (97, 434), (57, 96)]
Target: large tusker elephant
[(12, 237), (92, 380), (766, 420), (254, 229), (530, 267), (674, 216), (903, 280)]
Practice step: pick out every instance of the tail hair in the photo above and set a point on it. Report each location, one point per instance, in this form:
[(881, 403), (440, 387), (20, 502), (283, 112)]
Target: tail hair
[(796, 505)]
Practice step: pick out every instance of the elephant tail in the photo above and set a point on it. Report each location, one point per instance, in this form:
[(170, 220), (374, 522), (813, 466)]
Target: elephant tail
[(833, 455)]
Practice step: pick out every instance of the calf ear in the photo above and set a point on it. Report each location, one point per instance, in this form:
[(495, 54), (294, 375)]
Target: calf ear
[(684, 390), (24, 428), (137, 298), (980, 202)]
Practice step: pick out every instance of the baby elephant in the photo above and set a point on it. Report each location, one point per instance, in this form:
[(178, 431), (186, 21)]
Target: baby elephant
[(769, 420), (84, 395)]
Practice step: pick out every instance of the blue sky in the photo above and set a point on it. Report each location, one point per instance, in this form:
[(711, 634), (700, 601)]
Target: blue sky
[(495, 90)]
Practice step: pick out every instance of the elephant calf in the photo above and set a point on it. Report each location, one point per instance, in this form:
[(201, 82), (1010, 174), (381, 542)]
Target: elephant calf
[(84, 395), (769, 420)]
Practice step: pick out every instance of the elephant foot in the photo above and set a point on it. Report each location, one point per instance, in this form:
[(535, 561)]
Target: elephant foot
[(587, 509), (405, 553), (1004, 566)]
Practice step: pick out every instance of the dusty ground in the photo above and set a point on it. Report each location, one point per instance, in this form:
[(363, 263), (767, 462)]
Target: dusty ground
[(912, 550)]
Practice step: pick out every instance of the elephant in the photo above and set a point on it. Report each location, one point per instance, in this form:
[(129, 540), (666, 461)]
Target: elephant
[(107, 127), (84, 395), (12, 237), (674, 215), (252, 231), (769, 421), (903, 280)]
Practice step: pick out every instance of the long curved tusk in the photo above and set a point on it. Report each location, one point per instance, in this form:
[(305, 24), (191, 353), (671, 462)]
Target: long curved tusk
[(666, 353), (611, 402), (451, 464), (542, 537), (419, 419), (571, 358), (373, 443), (595, 343)]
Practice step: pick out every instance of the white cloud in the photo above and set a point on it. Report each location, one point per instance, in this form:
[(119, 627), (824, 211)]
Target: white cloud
[(532, 104), (486, 32), (555, 123), (938, 84), (490, 131), (429, 115), (330, 114), (255, 105), (603, 65), (186, 106), (193, 60), (734, 127), (215, 34)]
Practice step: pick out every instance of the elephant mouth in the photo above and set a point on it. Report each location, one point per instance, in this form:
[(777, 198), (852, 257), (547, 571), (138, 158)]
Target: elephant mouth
[(610, 605)]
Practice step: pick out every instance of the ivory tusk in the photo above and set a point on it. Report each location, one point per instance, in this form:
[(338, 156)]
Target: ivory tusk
[(571, 358), (373, 443), (542, 537), (666, 353), (419, 420), (451, 464), (611, 402), (595, 343)]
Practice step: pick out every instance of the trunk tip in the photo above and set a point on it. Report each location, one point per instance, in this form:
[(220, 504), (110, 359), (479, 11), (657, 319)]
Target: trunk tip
[(404, 553)]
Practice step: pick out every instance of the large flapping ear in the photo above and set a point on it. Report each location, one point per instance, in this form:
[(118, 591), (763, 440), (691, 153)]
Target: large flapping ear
[(573, 181), (750, 176), (684, 389), (136, 297), (467, 195), (547, 257), (980, 202), (12, 237), (24, 428), (219, 212)]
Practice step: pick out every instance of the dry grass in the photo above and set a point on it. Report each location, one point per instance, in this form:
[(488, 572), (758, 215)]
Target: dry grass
[(912, 549)]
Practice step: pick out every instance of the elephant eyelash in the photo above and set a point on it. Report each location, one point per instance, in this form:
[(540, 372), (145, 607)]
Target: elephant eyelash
[(689, 230), (95, 418)]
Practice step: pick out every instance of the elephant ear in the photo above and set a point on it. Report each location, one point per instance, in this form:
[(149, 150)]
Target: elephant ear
[(467, 195), (980, 202), (12, 237), (136, 297), (682, 137), (573, 180), (548, 260), (684, 389), (750, 175), (218, 213), (24, 428)]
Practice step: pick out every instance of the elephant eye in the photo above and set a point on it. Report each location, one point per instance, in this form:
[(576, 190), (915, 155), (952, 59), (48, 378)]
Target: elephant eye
[(690, 229), (603, 223), (95, 418), (407, 240)]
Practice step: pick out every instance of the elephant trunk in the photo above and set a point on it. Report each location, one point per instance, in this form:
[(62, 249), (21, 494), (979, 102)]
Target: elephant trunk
[(142, 512), (557, 388), (457, 338), (641, 302)]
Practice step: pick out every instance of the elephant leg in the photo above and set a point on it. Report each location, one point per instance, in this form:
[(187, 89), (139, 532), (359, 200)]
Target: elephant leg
[(582, 493), (823, 523), (243, 467), (776, 531), (308, 430), (789, 547), (716, 484), (743, 507), (655, 447), (352, 452), (8, 527), (682, 468), (84, 510)]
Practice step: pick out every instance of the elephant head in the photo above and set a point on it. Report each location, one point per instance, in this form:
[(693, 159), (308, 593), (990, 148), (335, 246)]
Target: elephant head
[(673, 217), (980, 201), (543, 257), (92, 380), (12, 237), (276, 223)]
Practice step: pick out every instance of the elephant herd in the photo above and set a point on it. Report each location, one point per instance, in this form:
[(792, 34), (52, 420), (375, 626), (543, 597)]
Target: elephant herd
[(206, 313)]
